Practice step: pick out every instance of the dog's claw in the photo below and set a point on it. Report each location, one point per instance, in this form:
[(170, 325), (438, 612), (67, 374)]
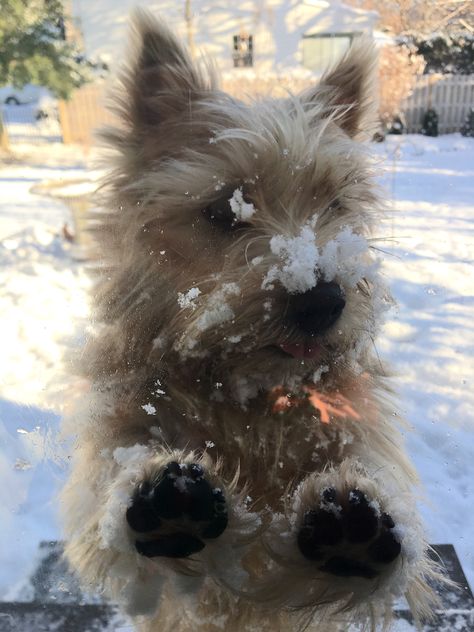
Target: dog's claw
[(196, 471), (354, 521), (387, 521), (183, 501), (220, 517), (329, 495)]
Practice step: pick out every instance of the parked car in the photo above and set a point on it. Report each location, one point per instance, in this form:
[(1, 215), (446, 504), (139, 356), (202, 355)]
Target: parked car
[(41, 100)]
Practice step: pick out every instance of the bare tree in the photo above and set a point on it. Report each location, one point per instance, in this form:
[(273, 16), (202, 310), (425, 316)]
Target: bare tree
[(423, 16), (398, 70)]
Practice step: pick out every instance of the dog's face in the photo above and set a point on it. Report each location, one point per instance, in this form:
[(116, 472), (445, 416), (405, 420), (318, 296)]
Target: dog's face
[(246, 225)]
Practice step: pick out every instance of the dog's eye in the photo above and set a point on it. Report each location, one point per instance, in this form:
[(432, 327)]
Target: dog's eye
[(335, 206), (221, 215)]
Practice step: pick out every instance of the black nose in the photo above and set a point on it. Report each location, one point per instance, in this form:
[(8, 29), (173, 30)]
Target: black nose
[(315, 311)]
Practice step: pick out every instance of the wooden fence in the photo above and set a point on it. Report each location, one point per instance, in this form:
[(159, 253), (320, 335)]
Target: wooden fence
[(83, 114), (450, 95)]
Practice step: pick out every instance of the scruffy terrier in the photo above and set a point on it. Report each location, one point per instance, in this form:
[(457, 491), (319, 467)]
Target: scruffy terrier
[(239, 464)]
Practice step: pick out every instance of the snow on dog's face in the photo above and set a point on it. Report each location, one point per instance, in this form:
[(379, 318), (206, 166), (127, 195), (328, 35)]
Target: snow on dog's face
[(242, 230)]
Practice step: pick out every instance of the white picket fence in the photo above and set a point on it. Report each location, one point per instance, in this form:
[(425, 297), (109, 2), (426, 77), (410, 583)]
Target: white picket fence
[(450, 95)]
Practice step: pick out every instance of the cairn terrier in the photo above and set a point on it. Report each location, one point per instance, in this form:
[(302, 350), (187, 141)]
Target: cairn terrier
[(239, 462)]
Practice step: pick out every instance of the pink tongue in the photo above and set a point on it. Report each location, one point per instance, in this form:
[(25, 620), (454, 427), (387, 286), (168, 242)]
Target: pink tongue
[(302, 351)]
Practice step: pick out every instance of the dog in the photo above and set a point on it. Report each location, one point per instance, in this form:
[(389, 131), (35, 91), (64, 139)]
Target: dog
[(239, 460)]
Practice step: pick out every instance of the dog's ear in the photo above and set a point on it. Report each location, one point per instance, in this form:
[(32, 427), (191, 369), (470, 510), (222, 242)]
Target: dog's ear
[(350, 89), (161, 78)]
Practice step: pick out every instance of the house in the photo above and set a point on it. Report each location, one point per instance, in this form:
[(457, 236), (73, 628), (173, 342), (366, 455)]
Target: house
[(268, 35)]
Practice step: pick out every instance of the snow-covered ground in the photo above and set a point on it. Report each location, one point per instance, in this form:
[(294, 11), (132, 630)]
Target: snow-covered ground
[(31, 123), (429, 339), (42, 301)]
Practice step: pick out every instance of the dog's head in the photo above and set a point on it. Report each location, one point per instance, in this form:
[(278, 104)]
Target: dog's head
[(239, 231)]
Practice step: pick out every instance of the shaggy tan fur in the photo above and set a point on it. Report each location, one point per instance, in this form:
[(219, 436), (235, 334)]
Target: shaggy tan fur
[(189, 377)]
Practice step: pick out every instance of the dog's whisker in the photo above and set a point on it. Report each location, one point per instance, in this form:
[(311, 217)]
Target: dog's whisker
[(386, 252), (246, 254), (393, 238), (377, 353)]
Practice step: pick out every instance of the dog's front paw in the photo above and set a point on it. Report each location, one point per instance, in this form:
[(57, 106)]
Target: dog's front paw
[(347, 535), (174, 515)]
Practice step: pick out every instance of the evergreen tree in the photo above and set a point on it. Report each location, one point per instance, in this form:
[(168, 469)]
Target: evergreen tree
[(430, 123), (33, 47), (397, 126), (468, 126), (445, 54)]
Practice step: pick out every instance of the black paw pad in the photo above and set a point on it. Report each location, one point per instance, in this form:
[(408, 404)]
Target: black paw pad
[(385, 549), (345, 567), (183, 505), (347, 535), (141, 515), (173, 545), (321, 527), (360, 520)]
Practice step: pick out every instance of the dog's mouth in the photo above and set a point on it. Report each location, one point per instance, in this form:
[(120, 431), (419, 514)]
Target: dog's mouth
[(309, 349)]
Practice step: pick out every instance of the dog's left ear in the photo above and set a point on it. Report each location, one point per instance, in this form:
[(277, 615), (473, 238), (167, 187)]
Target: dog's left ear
[(350, 89), (161, 78)]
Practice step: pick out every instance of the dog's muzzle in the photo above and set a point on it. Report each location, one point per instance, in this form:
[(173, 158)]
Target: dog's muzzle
[(316, 310)]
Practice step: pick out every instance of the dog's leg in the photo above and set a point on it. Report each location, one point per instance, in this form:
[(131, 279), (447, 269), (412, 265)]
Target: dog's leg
[(353, 531), (347, 525), (137, 514)]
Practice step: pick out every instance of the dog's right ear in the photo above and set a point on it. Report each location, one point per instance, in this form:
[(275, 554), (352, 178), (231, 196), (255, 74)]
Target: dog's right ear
[(349, 89), (161, 78)]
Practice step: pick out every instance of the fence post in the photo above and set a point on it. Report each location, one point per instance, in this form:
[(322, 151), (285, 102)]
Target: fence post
[(4, 143), (64, 121)]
